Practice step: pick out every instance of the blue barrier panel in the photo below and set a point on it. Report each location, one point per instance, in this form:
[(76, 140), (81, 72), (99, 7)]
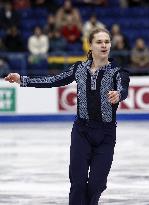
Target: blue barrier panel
[(65, 118)]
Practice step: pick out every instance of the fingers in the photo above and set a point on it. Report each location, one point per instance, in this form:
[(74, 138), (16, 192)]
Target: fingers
[(113, 97), (13, 77), (9, 77)]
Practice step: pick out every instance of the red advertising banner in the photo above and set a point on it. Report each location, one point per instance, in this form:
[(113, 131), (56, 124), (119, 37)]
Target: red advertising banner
[(137, 100)]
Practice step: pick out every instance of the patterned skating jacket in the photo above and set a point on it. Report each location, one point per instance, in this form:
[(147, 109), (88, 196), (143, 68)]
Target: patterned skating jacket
[(92, 89)]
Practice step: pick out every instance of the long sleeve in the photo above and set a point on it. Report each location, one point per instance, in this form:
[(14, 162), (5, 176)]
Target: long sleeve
[(122, 83), (61, 79)]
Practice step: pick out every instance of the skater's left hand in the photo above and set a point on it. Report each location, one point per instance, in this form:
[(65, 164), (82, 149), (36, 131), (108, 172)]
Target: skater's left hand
[(113, 97)]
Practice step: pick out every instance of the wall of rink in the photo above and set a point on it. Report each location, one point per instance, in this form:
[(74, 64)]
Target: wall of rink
[(59, 104)]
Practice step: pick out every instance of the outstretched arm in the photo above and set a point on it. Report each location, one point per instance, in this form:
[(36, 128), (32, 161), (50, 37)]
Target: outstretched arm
[(61, 79)]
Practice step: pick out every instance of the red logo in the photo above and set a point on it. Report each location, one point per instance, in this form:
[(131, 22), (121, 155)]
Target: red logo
[(138, 98), (67, 98)]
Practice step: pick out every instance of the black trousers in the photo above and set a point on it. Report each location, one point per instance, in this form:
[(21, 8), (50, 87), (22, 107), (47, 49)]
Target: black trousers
[(91, 156)]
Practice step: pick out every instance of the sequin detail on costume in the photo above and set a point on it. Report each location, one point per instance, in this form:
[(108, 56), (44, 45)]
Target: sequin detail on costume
[(24, 81), (107, 84), (93, 80), (94, 76), (119, 85), (50, 79), (53, 79), (81, 77)]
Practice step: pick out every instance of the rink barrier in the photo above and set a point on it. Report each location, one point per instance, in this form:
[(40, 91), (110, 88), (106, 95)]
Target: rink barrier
[(65, 118), (60, 104)]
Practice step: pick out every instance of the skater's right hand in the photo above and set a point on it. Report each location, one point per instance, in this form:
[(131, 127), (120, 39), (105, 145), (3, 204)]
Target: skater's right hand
[(13, 78)]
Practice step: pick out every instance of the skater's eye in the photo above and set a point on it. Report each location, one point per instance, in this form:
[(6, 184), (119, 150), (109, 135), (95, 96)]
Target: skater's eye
[(100, 42)]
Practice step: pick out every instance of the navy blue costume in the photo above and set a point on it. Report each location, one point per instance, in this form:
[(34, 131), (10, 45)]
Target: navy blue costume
[(93, 134)]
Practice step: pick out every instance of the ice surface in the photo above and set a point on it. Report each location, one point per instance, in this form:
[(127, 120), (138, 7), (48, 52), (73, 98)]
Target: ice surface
[(34, 161)]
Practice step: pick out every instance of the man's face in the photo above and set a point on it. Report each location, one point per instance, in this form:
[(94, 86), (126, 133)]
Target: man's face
[(101, 44)]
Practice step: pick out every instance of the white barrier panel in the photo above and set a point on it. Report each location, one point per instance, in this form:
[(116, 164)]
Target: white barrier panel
[(32, 101), (27, 101)]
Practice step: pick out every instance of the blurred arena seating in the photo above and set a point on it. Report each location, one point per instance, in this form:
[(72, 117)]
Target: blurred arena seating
[(134, 23)]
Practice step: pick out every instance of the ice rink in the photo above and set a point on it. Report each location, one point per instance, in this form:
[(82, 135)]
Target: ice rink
[(34, 160)]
